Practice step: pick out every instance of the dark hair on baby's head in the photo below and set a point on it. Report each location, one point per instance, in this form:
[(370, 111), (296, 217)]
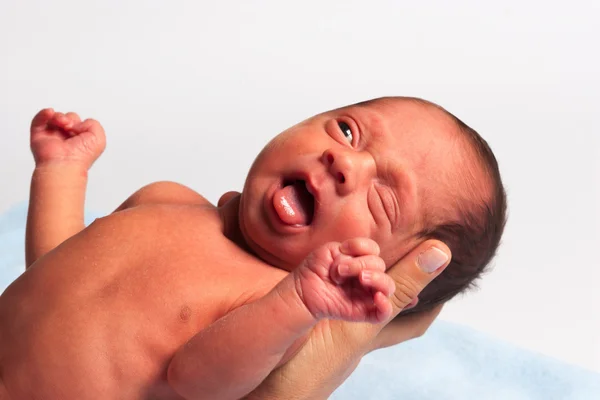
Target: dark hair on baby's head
[(473, 233)]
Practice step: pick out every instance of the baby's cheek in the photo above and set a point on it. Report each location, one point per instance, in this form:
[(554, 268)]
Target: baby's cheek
[(351, 224), (394, 249)]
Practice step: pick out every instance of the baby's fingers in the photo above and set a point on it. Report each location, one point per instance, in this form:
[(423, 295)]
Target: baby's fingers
[(74, 117), (41, 119), (382, 286), (383, 307), (359, 247), (89, 125), (377, 281), (60, 120), (65, 121), (63, 124), (352, 267)]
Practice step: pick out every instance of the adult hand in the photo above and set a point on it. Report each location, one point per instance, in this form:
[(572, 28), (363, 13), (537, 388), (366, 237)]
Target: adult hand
[(334, 348)]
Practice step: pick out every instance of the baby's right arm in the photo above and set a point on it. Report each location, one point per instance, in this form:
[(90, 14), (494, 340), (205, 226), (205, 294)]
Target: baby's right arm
[(334, 348), (64, 148), (236, 353)]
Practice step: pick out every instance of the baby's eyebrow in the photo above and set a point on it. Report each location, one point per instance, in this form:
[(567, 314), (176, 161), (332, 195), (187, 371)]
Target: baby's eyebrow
[(371, 123)]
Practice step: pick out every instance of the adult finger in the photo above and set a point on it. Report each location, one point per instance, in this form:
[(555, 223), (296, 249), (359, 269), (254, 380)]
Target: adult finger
[(416, 270), (405, 328)]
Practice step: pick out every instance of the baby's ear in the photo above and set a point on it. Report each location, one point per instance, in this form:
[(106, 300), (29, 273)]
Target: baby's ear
[(226, 197)]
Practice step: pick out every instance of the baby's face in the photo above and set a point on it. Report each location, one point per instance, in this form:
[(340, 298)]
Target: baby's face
[(368, 170)]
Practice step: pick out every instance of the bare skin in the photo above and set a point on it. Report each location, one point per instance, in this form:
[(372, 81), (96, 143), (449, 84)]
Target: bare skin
[(102, 311)]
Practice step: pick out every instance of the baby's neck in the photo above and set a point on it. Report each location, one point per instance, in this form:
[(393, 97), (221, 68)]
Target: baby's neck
[(230, 222), (229, 214)]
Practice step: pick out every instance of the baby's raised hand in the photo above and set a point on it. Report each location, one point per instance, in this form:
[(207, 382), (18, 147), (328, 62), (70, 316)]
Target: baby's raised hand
[(58, 137), (346, 281)]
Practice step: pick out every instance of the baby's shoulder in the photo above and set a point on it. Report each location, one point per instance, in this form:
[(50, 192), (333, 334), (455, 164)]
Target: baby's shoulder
[(169, 223), (190, 239), (164, 192)]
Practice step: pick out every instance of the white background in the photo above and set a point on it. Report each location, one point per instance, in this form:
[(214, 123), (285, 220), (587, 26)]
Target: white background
[(191, 90)]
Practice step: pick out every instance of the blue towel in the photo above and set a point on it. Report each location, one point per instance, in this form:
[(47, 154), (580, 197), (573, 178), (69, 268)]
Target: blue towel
[(455, 362), (449, 362)]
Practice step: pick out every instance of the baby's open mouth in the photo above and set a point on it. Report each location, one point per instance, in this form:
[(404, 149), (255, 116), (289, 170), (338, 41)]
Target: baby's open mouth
[(294, 204)]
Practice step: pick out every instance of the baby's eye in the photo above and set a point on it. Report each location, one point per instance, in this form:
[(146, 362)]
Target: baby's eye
[(346, 130)]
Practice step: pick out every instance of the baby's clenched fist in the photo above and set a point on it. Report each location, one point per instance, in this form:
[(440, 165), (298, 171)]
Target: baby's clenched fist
[(346, 281), (64, 138)]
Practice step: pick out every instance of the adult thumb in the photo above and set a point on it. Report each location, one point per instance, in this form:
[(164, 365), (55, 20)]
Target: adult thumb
[(416, 270)]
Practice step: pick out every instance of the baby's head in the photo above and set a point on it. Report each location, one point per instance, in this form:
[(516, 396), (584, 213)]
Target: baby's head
[(396, 170)]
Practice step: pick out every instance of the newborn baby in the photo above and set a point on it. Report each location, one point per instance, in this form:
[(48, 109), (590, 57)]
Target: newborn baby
[(170, 297)]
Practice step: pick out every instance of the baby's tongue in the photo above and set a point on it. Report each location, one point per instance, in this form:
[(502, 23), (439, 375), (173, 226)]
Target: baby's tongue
[(293, 204)]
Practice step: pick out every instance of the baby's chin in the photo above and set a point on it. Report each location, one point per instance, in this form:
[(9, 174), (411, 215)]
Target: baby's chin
[(282, 261), (275, 254)]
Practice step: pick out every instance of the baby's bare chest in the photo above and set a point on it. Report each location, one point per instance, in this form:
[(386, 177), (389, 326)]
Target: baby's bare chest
[(132, 291)]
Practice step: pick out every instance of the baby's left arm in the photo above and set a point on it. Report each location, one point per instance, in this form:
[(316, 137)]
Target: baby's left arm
[(235, 354)]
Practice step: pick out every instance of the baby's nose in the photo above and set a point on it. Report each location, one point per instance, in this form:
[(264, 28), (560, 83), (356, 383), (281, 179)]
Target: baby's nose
[(348, 168)]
